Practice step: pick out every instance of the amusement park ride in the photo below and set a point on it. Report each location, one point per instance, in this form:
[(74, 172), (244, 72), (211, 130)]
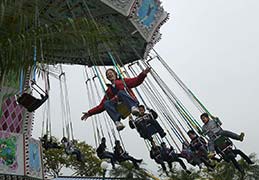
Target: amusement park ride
[(66, 32), (35, 34)]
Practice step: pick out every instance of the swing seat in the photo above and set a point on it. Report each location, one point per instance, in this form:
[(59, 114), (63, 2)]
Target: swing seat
[(30, 102), (123, 110), (223, 143)]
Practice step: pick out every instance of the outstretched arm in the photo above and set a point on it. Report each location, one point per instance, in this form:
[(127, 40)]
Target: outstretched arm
[(96, 110), (136, 81)]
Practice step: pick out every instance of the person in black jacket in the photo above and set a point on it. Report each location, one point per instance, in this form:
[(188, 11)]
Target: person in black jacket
[(144, 120), (49, 143), (155, 153), (199, 146), (103, 154), (121, 155), (169, 155)]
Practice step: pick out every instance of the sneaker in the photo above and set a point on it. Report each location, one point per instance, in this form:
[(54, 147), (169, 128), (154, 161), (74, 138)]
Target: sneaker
[(139, 160), (211, 155), (188, 172), (136, 165), (163, 134), (241, 136), (119, 125), (134, 111)]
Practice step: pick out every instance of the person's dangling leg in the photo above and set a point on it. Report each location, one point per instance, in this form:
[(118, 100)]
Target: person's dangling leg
[(110, 156), (243, 155), (78, 155), (231, 135), (157, 127), (161, 162), (181, 163), (237, 165), (211, 148), (133, 160), (110, 108)]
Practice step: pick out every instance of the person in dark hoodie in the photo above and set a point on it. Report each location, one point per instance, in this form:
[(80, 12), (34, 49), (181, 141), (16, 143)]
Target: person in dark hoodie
[(103, 154), (121, 155), (169, 155), (143, 120)]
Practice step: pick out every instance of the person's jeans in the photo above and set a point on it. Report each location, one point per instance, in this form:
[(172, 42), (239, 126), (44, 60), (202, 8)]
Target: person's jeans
[(110, 106)]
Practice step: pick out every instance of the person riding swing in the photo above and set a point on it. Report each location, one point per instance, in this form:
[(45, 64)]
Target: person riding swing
[(116, 94), (103, 154), (70, 149), (212, 128), (146, 123), (169, 155), (48, 143), (121, 155)]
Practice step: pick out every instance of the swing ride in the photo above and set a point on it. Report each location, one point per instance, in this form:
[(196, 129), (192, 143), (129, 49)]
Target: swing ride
[(98, 34)]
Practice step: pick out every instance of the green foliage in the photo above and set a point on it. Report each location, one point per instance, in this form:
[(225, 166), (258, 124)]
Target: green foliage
[(90, 166), (56, 159), (128, 171), (222, 171), (177, 174)]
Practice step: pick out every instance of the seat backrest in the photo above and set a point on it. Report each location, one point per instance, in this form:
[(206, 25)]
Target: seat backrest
[(30, 102), (123, 110), (222, 142)]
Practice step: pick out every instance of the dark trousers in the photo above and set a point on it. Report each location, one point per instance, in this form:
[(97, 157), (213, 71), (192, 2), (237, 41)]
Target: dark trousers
[(108, 155), (161, 162), (243, 155), (126, 157), (78, 154)]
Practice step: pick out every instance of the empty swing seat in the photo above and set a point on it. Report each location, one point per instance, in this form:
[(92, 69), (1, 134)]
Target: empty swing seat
[(30, 102)]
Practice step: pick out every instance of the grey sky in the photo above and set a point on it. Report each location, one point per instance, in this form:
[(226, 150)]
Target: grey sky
[(213, 47)]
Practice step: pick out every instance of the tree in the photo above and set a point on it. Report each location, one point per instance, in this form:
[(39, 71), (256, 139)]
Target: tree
[(178, 174), (56, 159), (90, 166), (128, 171), (227, 171)]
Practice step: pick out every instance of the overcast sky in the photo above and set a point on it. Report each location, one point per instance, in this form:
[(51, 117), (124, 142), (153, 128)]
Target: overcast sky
[(213, 46)]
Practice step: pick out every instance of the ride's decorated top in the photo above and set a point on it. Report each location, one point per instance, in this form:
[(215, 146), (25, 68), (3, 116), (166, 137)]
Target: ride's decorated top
[(79, 31)]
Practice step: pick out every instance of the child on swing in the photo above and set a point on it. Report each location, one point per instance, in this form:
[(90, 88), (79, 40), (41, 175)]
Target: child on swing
[(212, 128), (116, 93)]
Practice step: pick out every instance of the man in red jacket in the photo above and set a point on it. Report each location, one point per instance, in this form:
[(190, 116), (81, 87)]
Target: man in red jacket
[(116, 93)]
